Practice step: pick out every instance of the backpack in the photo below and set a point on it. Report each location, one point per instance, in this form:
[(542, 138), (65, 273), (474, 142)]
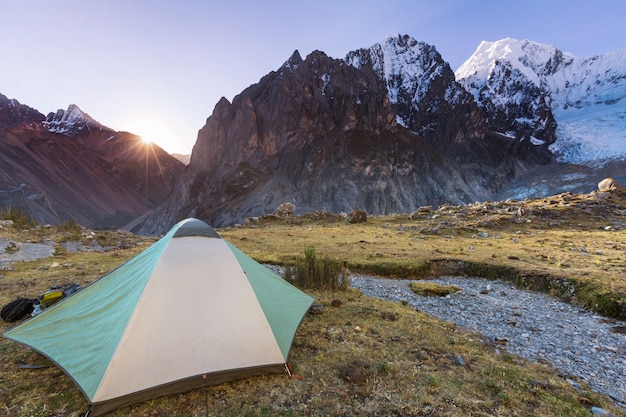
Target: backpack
[(52, 296), (17, 309)]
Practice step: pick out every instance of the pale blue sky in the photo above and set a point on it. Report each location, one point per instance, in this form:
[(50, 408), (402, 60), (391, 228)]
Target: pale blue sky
[(135, 63)]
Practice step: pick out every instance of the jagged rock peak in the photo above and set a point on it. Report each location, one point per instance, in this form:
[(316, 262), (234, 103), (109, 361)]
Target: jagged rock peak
[(294, 60), (71, 121), (13, 113), (397, 54), (419, 82)]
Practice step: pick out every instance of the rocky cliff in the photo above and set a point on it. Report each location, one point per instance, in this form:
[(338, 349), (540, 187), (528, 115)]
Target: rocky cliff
[(384, 130)]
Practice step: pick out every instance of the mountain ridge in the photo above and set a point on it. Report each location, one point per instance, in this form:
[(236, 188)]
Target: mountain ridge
[(67, 166), (385, 129), (327, 134)]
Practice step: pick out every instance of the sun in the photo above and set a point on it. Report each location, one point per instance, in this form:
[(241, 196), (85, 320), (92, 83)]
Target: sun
[(152, 131)]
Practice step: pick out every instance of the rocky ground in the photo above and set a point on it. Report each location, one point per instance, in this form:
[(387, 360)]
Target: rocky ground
[(584, 347)]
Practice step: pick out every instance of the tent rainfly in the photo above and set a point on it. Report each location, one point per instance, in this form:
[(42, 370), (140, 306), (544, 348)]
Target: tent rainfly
[(188, 311)]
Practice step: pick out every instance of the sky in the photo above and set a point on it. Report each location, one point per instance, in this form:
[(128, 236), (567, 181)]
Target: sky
[(157, 68)]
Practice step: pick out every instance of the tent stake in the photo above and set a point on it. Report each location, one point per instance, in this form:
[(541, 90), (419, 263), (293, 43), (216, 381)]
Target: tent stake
[(206, 397)]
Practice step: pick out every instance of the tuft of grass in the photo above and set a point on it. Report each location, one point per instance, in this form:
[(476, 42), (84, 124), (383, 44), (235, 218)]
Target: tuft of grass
[(20, 218), (319, 272), (432, 289)]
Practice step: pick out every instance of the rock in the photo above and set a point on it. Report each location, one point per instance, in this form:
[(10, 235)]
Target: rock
[(420, 210), (316, 309), (573, 383), (285, 210), (597, 411), (609, 184), (618, 329), (357, 372), (389, 316), (358, 216)]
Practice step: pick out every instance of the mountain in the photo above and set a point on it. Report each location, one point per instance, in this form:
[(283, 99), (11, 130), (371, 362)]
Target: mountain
[(525, 86), (387, 129), (67, 166), (14, 114), (71, 122), (185, 159)]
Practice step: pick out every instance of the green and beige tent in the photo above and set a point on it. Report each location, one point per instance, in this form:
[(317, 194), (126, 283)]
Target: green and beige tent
[(188, 311)]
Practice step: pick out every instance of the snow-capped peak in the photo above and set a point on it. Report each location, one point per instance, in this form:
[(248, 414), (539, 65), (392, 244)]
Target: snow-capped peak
[(410, 70), (587, 96), (401, 61), (70, 121), (530, 58)]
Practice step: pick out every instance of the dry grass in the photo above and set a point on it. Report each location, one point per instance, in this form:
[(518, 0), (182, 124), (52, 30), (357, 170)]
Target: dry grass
[(562, 244), (365, 357), (362, 356)]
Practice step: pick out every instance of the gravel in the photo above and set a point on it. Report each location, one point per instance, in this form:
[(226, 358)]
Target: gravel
[(582, 345)]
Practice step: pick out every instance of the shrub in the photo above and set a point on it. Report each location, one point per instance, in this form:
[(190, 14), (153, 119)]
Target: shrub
[(312, 271), (69, 226), (20, 218)]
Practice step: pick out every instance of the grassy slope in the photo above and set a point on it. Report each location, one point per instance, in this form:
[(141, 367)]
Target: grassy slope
[(564, 244), (369, 357)]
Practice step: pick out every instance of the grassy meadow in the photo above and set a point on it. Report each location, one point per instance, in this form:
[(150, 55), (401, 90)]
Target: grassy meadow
[(358, 356)]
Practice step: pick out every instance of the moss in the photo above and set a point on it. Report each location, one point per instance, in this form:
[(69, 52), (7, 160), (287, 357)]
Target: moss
[(431, 289)]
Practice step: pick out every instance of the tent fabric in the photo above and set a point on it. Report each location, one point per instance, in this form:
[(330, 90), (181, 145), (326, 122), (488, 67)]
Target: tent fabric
[(190, 310)]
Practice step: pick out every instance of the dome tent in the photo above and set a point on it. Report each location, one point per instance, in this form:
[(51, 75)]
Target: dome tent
[(188, 311)]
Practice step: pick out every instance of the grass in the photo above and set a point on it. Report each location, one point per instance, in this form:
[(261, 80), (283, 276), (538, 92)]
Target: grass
[(431, 289), (571, 246), (314, 271), (358, 355)]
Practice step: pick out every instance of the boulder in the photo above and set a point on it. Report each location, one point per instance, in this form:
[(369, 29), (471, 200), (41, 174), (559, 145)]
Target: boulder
[(609, 184), (358, 216), (285, 210)]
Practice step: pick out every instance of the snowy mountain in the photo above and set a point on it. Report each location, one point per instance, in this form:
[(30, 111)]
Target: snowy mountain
[(521, 84), (418, 82), (71, 121), (387, 129)]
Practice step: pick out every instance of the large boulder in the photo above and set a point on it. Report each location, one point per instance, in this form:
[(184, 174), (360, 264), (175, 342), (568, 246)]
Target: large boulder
[(609, 184)]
